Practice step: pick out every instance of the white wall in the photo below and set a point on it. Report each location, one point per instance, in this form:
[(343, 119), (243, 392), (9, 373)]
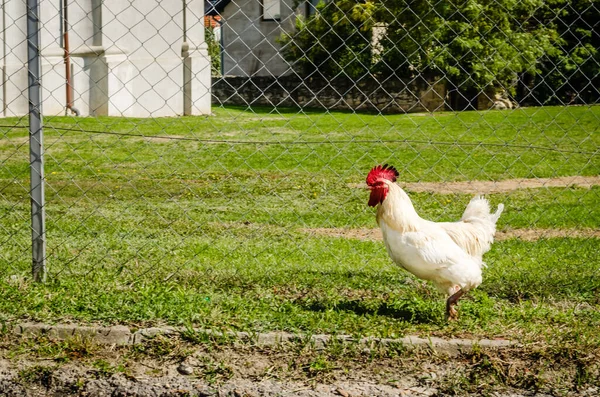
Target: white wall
[(137, 58), (14, 59), (251, 47)]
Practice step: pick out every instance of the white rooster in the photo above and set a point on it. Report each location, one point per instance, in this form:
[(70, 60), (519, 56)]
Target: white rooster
[(449, 254)]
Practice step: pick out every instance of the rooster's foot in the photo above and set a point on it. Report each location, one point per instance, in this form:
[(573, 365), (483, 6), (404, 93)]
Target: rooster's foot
[(451, 313)]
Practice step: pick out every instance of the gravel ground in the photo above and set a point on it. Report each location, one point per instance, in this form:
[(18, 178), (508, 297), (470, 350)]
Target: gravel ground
[(68, 360), (249, 375), (70, 381)]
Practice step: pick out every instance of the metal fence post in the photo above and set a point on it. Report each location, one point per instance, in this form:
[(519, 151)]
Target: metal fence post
[(36, 150)]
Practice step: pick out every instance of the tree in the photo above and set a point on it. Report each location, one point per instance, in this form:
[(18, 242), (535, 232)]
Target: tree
[(214, 50), (334, 42), (572, 74), (550, 49), (472, 44)]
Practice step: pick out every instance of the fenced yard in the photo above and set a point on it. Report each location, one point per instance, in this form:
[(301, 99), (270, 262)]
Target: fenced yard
[(192, 174), (256, 219)]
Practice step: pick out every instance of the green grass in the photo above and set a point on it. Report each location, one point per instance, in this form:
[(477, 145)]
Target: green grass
[(205, 226)]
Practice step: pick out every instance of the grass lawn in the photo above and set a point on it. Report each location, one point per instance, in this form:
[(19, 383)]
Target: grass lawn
[(202, 221)]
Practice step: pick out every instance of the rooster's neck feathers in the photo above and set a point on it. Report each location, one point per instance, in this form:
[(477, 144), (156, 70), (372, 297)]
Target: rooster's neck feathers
[(397, 210)]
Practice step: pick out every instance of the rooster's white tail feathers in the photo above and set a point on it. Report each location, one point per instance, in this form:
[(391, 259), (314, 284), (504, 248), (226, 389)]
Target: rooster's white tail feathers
[(479, 209), (475, 232), (498, 212)]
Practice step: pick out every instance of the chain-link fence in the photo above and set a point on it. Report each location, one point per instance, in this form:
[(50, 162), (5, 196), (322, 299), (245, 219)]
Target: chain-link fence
[(204, 161)]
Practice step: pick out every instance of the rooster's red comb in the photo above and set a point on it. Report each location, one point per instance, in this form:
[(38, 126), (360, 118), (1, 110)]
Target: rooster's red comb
[(382, 171)]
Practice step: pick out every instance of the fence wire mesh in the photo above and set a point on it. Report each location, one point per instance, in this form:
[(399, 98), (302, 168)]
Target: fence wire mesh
[(205, 161)]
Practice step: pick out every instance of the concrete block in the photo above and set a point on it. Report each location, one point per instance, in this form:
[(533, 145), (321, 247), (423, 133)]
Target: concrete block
[(116, 335)]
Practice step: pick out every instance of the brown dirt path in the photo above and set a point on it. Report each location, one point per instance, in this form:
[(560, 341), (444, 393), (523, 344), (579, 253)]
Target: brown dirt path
[(501, 235), (487, 187)]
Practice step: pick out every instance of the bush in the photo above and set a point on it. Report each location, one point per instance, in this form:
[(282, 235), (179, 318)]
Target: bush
[(334, 42), (474, 45)]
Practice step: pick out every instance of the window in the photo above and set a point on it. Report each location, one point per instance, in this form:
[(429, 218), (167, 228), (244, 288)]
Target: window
[(271, 9)]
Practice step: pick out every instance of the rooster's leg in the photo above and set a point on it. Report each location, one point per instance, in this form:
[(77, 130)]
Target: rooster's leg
[(451, 313)]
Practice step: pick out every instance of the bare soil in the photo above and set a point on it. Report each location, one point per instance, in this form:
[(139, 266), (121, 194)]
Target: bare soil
[(501, 235), (167, 367), (487, 187)]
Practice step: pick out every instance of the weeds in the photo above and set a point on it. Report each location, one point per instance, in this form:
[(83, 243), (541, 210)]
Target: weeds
[(160, 347), (553, 369), (57, 350), (37, 374), (215, 371)]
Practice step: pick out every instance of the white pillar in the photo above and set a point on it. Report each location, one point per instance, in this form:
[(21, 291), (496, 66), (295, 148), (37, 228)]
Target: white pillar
[(197, 66), (14, 62), (53, 67)]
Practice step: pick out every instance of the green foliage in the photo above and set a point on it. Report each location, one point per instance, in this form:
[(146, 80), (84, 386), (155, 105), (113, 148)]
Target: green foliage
[(106, 369), (214, 50), (572, 73), (472, 44), (335, 41)]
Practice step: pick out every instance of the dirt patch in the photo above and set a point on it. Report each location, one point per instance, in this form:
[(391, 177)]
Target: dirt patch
[(487, 187), (165, 138), (536, 234), (501, 235), (174, 367)]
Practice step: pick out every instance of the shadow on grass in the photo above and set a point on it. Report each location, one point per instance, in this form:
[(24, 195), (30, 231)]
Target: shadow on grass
[(408, 311), (307, 110)]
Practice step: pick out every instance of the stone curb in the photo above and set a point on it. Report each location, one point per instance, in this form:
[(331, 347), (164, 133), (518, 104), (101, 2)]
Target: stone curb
[(122, 336)]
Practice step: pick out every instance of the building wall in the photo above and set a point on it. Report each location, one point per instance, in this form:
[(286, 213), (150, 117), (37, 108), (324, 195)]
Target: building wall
[(138, 58), (250, 43), (13, 53)]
